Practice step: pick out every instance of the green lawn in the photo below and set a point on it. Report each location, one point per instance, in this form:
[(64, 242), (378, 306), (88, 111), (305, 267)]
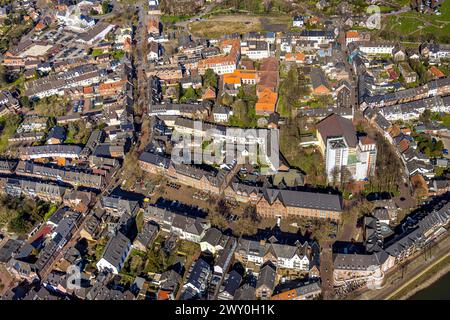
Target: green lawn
[(97, 52), (174, 18), (384, 9), (50, 212), (140, 220), (8, 126), (412, 25)]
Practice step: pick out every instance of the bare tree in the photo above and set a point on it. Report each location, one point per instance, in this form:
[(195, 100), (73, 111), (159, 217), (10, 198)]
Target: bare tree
[(335, 175)]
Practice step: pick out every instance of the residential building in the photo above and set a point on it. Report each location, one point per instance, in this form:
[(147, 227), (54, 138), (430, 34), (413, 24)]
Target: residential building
[(285, 203), (253, 254), (266, 282), (224, 258), (57, 135), (255, 49), (368, 268), (186, 227), (8, 166), (55, 84), (225, 63), (375, 48), (319, 82), (153, 51), (45, 191), (73, 20), (213, 241), (146, 236), (117, 206), (309, 291), (64, 174), (245, 292), (298, 21), (115, 254), (408, 74), (343, 150), (197, 281), (222, 113), (230, 286)]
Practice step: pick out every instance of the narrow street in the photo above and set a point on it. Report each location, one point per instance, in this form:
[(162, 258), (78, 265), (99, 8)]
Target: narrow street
[(326, 271)]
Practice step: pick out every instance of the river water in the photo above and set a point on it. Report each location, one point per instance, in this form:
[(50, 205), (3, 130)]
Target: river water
[(440, 290)]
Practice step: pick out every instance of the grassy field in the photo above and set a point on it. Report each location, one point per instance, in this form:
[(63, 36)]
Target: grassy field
[(8, 126), (412, 25), (174, 18), (217, 26)]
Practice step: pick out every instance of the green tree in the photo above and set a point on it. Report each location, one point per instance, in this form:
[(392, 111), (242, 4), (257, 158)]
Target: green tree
[(189, 94), (210, 79), (446, 120), (242, 116), (106, 7), (227, 100)]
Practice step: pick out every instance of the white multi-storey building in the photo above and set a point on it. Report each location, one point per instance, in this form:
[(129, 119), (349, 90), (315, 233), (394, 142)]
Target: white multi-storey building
[(374, 48), (73, 20), (343, 150)]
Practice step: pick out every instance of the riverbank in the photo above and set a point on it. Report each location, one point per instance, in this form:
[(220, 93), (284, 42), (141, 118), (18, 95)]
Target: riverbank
[(423, 280), (400, 279), (437, 291)]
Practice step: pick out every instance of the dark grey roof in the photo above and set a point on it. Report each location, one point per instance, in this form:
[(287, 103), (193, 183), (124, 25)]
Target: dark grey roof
[(57, 216), (65, 227), (198, 277), (155, 159), (308, 288), (405, 242), (51, 149), (42, 293), (221, 110), (232, 282), (317, 33), (96, 137), (212, 236), (57, 132), (303, 199), (318, 78), (246, 292), (9, 249), (28, 187), (70, 175), (204, 126), (116, 248), (120, 204), (214, 176), (355, 261), (8, 165), (147, 234), (267, 277), (225, 256), (170, 280)]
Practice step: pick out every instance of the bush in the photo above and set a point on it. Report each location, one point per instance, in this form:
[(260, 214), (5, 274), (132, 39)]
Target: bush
[(20, 214), (8, 126)]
